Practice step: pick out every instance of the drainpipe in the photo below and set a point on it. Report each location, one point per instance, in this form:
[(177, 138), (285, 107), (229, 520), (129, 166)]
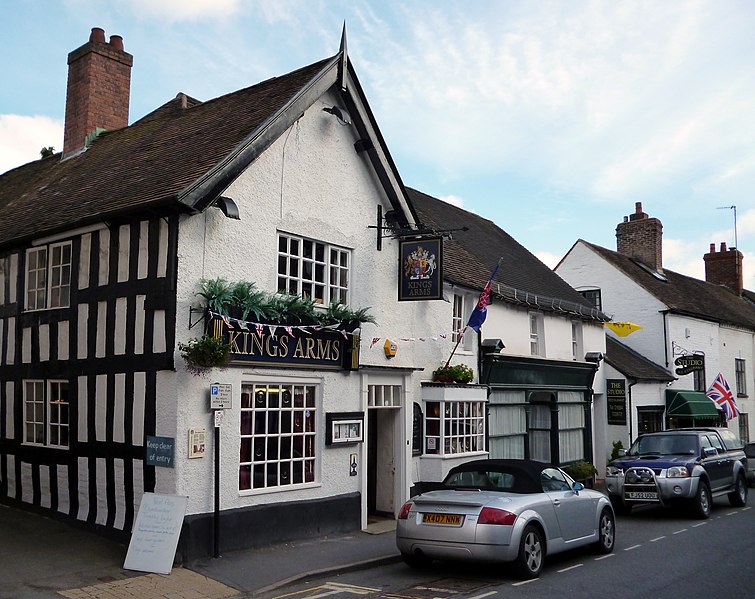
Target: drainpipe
[(631, 412), (665, 336)]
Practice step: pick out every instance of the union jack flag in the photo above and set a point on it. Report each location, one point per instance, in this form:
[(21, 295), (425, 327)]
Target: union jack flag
[(720, 393)]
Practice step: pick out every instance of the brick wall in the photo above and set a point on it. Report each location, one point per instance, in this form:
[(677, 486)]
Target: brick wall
[(99, 81), (724, 267), (641, 237)]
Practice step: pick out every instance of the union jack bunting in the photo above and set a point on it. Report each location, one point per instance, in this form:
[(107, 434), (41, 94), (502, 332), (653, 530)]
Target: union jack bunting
[(720, 393)]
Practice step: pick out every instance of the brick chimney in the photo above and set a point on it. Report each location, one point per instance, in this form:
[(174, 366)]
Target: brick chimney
[(99, 81), (724, 267), (640, 237)]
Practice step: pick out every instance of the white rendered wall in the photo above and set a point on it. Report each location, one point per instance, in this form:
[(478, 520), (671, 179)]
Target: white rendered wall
[(309, 183)]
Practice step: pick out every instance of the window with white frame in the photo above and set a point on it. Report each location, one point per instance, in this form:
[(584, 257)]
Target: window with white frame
[(454, 427), (278, 436), (46, 414), (571, 426), (739, 367), (593, 296), (313, 269), (576, 340), (457, 319), (537, 344), (48, 276)]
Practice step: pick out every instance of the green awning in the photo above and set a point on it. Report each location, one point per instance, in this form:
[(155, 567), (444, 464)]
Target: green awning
[(692, 404)]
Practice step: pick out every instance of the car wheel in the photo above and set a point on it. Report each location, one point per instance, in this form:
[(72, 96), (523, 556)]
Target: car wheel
[(738, 497), (529, 561), (416, 561), (620, 507), (606, 532), (701, 504)]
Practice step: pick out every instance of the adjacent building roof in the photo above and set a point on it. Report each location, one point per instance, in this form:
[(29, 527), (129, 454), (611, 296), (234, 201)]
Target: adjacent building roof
[(633, 365), (183, 155), (474, 247), (685, 295)]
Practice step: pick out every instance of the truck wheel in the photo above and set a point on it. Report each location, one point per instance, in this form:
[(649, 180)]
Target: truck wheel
[(529, 562), (701, 504), (738, 497)]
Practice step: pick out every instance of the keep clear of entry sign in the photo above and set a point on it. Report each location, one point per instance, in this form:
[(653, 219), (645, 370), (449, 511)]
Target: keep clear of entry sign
[(221, 396)]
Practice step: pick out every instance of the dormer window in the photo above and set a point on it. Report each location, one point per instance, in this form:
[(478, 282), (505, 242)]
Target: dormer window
[(48, 276)]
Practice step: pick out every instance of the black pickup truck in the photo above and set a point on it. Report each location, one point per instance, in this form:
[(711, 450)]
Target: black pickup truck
[(690, 466)]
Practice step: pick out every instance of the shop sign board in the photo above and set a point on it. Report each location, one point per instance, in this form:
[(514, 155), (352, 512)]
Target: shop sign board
[(421, 269), (616, 395), (690, 363)]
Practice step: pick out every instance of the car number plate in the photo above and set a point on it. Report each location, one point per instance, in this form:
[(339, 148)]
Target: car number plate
[(642, 495), (445, 519)]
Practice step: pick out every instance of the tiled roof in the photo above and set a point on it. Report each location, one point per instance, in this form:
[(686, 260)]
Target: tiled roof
[(471, 255), (686, 295), (632, 365), (140, 167)]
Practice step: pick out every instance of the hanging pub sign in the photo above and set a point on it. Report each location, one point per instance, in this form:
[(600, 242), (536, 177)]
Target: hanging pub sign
[(690, 363), (616, 395), (420, 269), (287, 346)]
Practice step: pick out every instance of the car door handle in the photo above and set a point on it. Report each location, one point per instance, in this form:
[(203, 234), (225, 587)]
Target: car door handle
[(556, 502)]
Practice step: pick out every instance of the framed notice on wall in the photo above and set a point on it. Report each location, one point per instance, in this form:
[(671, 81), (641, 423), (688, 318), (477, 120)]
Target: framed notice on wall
[(616, 396)]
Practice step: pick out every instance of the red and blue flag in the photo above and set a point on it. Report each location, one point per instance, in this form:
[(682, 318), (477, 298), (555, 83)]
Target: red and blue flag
[(481, 309), (720, 393)]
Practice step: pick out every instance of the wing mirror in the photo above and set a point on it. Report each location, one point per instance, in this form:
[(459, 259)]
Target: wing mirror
[(577, 487), (622, 453), (709, 452)]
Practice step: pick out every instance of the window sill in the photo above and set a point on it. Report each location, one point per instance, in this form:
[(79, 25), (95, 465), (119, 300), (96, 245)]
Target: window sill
[(287, 488), (450, 456)]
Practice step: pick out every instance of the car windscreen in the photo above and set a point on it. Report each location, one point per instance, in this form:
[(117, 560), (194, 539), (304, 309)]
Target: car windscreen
[(665, 445), (507, 480)]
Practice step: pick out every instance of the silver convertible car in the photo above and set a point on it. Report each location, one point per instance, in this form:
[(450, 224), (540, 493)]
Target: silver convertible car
[(504, 511)]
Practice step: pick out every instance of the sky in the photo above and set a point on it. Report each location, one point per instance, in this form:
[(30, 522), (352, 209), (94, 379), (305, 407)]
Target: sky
[(550, 118)]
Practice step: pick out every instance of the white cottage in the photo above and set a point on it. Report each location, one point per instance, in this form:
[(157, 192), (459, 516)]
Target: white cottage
[(692, 329)]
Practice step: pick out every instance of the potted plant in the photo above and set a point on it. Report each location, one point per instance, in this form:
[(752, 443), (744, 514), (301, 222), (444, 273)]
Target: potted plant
[(582, 471), (204, 353), (460, 373)]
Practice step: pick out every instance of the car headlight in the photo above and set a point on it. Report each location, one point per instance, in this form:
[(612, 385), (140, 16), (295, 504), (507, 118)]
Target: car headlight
[(614, 471), (677, 472)]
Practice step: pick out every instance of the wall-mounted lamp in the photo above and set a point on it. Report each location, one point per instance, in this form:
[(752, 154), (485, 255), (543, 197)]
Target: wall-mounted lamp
[(343, 117), (491, 346), (594, 356), (228, 207)]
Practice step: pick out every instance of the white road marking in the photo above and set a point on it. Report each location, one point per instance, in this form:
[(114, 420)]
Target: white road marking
[(351, 587), (570, 568), (657, 539), (699, 524), (676, 532), (520, 583), (484, 595), (732, 513), (597, 559), (632, 547)]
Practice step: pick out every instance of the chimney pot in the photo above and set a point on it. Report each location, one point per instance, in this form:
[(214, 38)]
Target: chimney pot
[(638, 207), (712, 248), (97, 35), (117, 42), (723, 246), (724, 267)]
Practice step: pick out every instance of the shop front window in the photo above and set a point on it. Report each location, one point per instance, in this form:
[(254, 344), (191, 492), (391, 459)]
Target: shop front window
[(278, 436), (454, 427)]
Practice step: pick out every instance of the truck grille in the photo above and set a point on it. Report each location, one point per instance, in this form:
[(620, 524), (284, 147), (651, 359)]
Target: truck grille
[(640, 485)]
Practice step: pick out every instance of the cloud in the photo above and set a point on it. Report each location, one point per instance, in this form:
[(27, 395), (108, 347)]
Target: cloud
[(548, 258), (185, 10), (453, 200), (22, 137)]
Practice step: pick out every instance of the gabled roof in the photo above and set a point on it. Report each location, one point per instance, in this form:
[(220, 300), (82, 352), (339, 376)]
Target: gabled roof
[(471, 255), (633, 365), (182, 155), (685, 295)]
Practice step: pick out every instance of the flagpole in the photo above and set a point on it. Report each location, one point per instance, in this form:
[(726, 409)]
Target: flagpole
[(464, 330)]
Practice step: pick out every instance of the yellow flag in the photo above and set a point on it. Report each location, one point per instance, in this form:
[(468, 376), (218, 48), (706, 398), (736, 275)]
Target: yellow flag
[(622, 329)]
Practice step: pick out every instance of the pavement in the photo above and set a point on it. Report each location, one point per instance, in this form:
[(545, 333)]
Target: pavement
[(42, 558)]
